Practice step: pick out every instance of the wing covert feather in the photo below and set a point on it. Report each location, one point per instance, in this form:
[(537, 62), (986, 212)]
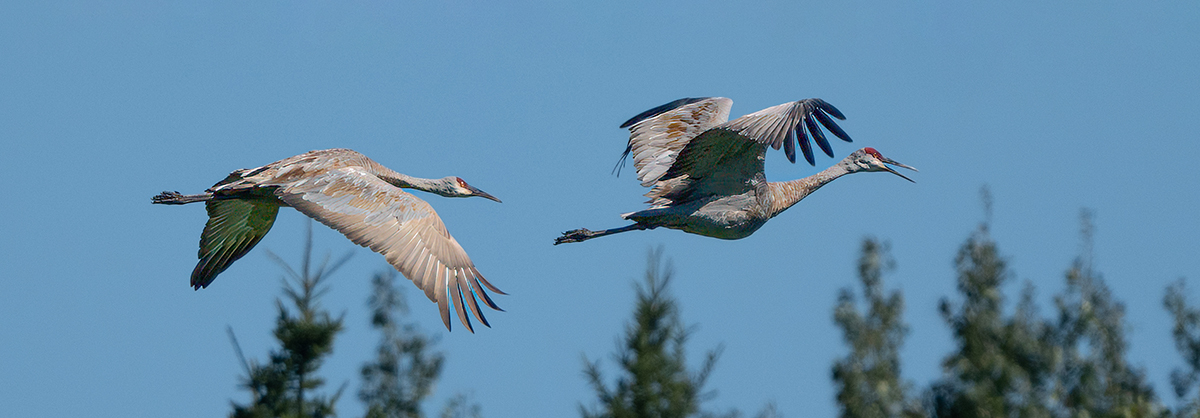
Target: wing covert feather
[(718, 162), (656, 141)]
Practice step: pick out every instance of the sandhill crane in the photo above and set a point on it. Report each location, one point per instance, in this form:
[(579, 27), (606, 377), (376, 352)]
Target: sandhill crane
[(356, 196), (706, 174)]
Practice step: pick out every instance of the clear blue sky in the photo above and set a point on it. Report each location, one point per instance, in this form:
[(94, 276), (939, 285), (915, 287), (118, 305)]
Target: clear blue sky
[(1057, 107)]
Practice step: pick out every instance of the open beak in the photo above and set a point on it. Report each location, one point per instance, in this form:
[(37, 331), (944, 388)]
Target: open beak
[(897, 164), (483, 194)]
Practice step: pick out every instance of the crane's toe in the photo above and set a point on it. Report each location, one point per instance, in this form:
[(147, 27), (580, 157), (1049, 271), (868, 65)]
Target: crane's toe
[(576, 235), (166, 197)]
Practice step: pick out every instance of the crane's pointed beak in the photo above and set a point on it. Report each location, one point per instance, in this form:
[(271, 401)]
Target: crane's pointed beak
[(483, 194), (897, 164)]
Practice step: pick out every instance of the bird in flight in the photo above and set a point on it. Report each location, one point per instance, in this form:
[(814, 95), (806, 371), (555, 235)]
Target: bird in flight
[(361, 199), (705, 173)]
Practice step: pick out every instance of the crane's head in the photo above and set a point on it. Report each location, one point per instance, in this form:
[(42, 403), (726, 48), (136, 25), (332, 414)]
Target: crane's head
[(868, 159), (456, 187)]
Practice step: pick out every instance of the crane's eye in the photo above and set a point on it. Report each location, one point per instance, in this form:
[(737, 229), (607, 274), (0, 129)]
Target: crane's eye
[(461, 183)]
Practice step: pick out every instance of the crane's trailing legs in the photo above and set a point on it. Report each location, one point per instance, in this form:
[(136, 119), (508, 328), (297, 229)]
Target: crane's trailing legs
[(583, 234), (175, 198)]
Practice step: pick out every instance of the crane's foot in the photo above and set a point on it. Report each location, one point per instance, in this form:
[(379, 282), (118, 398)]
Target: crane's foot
[(175, 198), (577, 235), (167, 198)]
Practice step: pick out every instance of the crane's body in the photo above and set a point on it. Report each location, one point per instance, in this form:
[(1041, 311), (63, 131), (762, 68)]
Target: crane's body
[(737, 216), (729, 217), (706, 174), (356, 196)]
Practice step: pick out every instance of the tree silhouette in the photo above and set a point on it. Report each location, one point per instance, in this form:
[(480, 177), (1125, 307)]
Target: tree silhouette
[(1186, 333), (404, 371), (868, 379), (654, 379), (1025, 366), (1093, 375), (278, 388), (1003, 364)]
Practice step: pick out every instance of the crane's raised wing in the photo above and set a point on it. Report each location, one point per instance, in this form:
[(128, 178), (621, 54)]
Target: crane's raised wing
[(724, 159), (374, 214), (657, 135), (785, 124)]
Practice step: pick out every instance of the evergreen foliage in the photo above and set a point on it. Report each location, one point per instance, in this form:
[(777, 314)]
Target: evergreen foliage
[(282, 387), (654, 381), (404, 371), (1093, 377), (1003, 365), (1025, 366), (460, 406), (1186, 333), (868, 378)]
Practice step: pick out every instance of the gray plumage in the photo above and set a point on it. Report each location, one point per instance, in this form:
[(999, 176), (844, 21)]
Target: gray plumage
[(705, 173), (361, 199)]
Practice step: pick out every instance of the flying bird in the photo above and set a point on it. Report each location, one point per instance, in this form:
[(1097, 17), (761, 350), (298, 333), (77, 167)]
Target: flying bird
[(356, 196), (706, 174)]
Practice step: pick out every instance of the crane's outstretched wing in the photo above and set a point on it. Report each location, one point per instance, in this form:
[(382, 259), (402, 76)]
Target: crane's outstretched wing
[(234, 227), (403, 228), (657, 135), (724, 159), (785, 124)]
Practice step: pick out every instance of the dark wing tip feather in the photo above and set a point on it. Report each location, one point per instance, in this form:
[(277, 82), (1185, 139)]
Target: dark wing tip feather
[(817, 136), (475, 287), (214, 263), (831, 125), (789, 146), (824, 105), (198, 284), (660, 110), (488, 284), (461, 308), (816, 113), (804, 145), (207, 270), (479, 313), (465, 286), (621, 161), (220, 258)]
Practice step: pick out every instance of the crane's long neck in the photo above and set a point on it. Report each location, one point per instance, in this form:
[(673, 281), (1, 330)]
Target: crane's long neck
[(410, 182), (784, 194), (405, 181)]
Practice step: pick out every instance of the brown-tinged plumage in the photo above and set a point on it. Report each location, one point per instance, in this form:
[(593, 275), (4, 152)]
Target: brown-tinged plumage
[(361, 199)]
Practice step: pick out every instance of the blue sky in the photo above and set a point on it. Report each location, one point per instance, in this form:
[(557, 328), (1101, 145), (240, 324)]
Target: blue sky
[(1056, 107)]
